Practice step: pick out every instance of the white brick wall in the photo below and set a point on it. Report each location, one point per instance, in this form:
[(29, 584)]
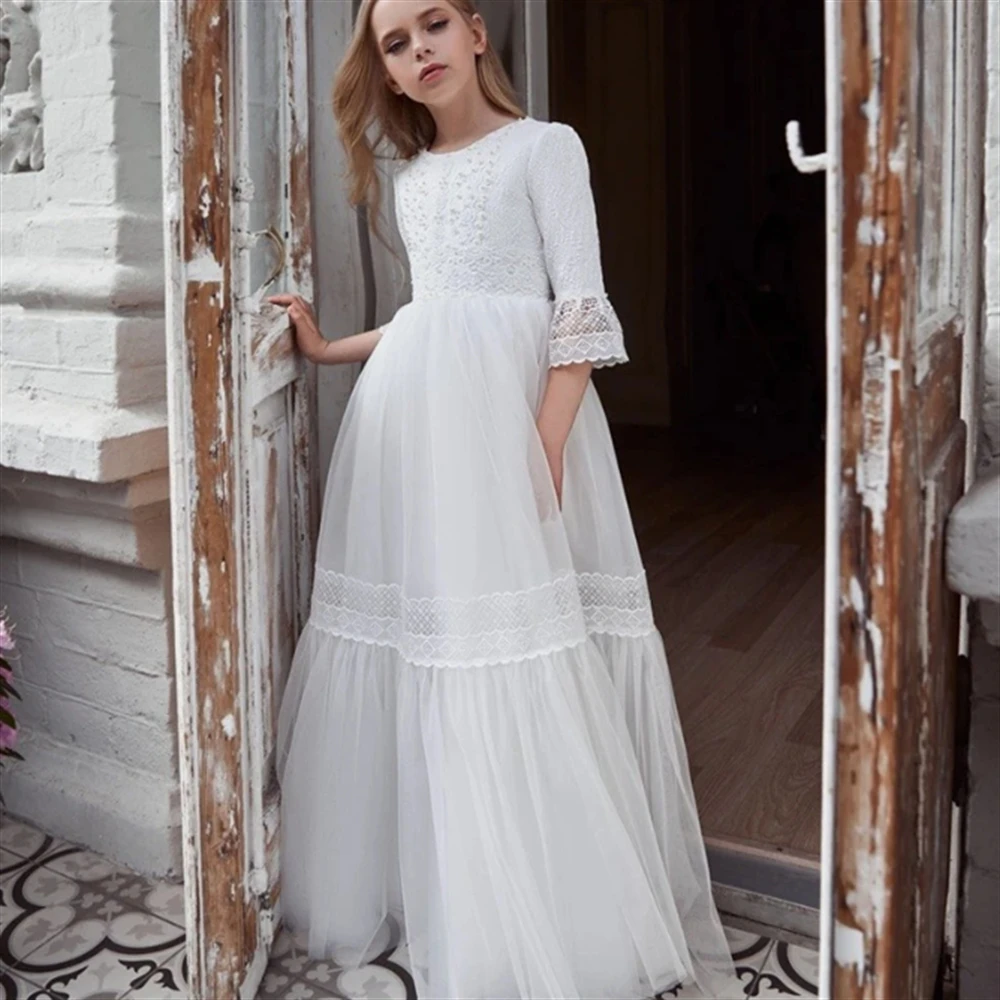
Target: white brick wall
[(81, 241), (94, 673), (85, 572)]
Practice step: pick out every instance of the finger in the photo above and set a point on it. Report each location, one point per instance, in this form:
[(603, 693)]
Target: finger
[(282, 300)]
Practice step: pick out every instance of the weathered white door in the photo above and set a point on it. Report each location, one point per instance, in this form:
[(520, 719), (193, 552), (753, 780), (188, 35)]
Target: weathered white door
[(905, 151), (236, 177)]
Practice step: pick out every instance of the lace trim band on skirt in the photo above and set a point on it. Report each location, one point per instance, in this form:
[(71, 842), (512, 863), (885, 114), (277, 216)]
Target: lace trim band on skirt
[(493, 628)]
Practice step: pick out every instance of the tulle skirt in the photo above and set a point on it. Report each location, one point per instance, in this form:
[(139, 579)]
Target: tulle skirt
[(478, 737)]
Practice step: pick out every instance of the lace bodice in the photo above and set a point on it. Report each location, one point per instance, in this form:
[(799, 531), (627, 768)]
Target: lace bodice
[(513, 214)]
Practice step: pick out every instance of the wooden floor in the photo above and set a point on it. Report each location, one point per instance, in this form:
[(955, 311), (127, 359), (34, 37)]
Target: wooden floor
[(733, 547)]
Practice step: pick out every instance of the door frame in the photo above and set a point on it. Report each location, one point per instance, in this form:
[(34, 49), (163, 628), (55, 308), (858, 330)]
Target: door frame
[(199, 279), (832, 487), (227, 356)]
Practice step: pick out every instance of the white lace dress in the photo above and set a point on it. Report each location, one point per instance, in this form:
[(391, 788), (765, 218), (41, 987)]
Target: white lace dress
[(478, 737)]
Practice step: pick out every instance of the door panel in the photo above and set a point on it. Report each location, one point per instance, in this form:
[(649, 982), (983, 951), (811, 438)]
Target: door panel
[(243, 490), (903, 455)]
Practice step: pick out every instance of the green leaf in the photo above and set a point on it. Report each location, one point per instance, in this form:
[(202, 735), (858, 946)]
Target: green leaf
[(7, 719), (8, 752)]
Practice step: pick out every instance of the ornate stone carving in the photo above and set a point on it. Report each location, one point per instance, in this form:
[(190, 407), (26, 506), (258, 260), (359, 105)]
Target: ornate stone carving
[(21, 141)]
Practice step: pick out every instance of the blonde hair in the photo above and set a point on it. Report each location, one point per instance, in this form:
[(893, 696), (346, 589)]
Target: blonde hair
[(363, 103)]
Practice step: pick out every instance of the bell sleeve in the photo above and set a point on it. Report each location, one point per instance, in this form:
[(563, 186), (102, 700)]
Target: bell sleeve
[(584, 324)]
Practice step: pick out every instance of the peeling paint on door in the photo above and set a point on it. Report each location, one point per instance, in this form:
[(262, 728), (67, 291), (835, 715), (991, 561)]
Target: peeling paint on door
[(902, 449), (243, 518)]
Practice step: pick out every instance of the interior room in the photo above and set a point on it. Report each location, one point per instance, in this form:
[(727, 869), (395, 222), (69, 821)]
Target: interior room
[(713, 250)]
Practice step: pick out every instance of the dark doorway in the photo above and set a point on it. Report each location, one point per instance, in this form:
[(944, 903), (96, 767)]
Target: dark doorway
[(713, 250)]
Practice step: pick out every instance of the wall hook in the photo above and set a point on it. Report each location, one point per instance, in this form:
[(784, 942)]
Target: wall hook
[(804, 164)]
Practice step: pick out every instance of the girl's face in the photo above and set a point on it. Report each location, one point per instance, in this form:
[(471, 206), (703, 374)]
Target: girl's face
[(428, 49)]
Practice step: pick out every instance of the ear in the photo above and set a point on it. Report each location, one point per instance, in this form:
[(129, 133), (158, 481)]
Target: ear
[(479, 39)]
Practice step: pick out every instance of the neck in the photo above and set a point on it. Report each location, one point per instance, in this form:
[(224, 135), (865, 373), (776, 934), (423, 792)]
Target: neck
[(464, 120)]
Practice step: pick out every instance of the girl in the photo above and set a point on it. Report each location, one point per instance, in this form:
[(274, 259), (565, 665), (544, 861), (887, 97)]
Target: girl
[(478, 742)]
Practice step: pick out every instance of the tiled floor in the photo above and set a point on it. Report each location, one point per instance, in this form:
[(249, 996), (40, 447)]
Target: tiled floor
[(74, 926)]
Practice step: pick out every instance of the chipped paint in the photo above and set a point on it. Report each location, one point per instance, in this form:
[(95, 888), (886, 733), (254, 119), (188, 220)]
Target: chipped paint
[(849, 944), (871, 232), (900, 436), (245, 517), (878, 393)]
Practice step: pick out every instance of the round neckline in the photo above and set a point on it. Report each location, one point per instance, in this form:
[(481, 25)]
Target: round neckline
[(475, 142)]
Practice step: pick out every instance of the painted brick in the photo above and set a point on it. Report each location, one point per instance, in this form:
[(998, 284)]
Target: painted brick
[(136, 23), (125, 388), (23, 192), (126, 639), (106, 342), (78, 124), (107, 234), (120, 691), (118, 70), (24, 339), (76, 722), (67, 338), (91, 178), (74, 28), (141, 341), (22, 608), (84, 386), (104, 584)]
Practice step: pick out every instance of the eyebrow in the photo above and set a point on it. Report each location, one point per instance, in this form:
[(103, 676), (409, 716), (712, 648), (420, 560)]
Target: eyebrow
[(424, 13)]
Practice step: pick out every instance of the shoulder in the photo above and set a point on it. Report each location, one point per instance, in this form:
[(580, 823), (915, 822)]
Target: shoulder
[(399, 167), (554, 145)]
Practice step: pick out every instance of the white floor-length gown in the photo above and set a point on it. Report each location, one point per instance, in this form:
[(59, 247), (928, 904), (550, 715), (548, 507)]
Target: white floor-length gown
[(479, 736)]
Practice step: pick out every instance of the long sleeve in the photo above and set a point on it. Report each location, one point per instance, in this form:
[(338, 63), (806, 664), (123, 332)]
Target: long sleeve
[(585, 326)]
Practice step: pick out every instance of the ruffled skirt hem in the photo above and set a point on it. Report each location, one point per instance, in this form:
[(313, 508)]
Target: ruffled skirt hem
[(529, 825)]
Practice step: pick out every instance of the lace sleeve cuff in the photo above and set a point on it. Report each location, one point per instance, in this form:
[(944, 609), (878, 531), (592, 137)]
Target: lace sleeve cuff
[(586, 328)]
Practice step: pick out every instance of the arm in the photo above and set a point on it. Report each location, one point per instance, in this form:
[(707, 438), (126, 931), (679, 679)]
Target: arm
[(314, 345), (560, 403), (585, 332), (347, 349)]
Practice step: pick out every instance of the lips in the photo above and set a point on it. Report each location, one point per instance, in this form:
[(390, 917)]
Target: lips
[(430, 69)]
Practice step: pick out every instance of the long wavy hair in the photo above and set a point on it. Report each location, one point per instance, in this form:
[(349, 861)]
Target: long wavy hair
[(370, 117)]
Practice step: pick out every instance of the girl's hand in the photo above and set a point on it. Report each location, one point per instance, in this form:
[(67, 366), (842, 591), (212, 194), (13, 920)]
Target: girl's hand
[(307, 336)]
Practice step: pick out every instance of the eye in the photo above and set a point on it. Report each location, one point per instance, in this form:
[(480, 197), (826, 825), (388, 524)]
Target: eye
[(437, 25), (394, 48)]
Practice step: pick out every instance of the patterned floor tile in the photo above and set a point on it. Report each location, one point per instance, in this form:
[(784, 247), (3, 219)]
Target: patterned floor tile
[(109, 975), (11, 864), (166, 980), (71, 923), (36, 905), (790, 971), (74, 926), (749, 950), (23, 840), (292, 974), (13, 987)]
